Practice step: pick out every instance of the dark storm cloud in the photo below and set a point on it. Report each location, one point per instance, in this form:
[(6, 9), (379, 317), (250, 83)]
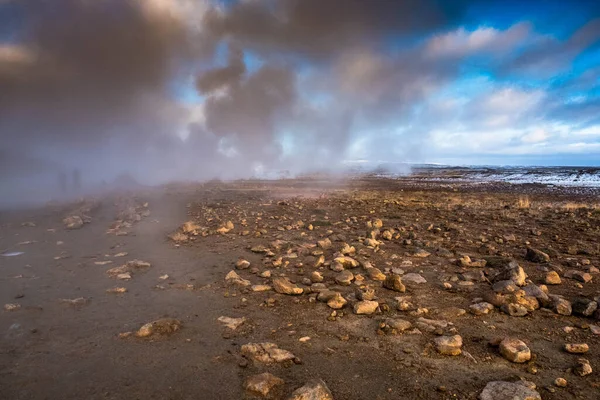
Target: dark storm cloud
[(88, 68), (549, 56), (319, 28)]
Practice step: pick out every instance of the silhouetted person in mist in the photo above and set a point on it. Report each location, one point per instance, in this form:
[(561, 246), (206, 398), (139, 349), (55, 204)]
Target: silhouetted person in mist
[(76, 180), (62, 182)]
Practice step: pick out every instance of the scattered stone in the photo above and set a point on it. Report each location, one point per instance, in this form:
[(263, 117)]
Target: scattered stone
[(365, 293), (584, 307), (413, 278), (505, 287), (577, 348), (514, 310), (316, 277), (344, 278), (560, 305), (265, 274), (264, 385), (337, 301), (242, 264), (397, 324), (372, 243), (595, 329), (190, 227), (560, 382), (79, 301), (284, 286), (260, 249), (500, 390), (365, 307), (164, 326), (233, 278), (421, 253), (124, 276), (163, 277), (326, 295), (324, 244), (537, 256), (346, 262), (510, 271), (231, 323), (449, 345), (375, 274), (394, 282), (583, 367), (552, 278), (481, 308), (514, 350), (267, 353), (580, 276), (12, 307), (313, 390), (403, 304), (73, 222), (117, 290), (451, 312), (260, 288)]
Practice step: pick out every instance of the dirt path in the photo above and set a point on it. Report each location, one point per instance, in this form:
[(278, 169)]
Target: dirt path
[(52, 350)]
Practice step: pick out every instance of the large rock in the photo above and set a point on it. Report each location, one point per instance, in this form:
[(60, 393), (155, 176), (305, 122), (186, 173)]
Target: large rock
[(514, 350), (313, 390), (267, 353), (284, 286), (499, 390), (263, 385)]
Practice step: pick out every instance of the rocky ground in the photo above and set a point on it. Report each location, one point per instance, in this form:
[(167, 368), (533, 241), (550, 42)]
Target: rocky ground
[(304, 289)]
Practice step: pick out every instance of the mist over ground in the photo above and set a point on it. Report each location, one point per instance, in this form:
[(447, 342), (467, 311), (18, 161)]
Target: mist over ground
[(162, 90)]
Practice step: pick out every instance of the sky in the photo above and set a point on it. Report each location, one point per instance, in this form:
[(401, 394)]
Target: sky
[(202, 89)]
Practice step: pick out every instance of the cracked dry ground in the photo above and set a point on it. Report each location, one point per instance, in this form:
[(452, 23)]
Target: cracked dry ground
[(380, 290)]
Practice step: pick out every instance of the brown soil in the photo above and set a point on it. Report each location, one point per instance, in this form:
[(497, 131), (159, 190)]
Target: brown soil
[(52, 349)]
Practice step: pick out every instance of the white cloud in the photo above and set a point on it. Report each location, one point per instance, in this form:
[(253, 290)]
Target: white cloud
[(535, 136), (460, 43)]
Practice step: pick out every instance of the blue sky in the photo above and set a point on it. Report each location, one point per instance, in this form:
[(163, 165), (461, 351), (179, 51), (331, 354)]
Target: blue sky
[(271, 84)]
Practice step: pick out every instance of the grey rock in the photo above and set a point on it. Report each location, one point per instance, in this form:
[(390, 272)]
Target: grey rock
[(584, 307), (500, 390), (414, 278)]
